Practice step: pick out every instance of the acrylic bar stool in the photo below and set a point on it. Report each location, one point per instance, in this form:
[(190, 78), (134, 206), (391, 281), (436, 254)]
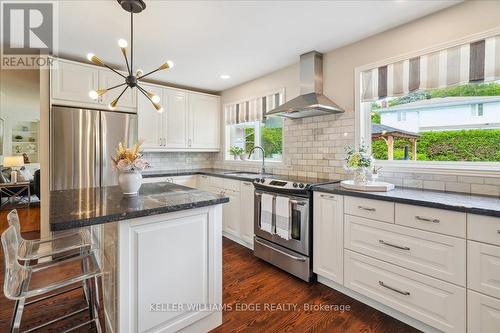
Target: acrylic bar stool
[(45, 281), (67, 242)]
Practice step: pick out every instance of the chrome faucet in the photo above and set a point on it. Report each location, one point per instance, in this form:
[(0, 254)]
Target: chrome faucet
[(263, 169)]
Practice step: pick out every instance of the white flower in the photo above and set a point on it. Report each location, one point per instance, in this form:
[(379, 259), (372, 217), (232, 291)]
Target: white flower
[(141, 164), (124, 165)]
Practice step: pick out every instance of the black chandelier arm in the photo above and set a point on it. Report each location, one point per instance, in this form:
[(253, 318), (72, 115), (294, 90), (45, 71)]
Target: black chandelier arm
[(114, 70), (123, 91), (142, 90), (124, 51), (153, 71), (117, 86)]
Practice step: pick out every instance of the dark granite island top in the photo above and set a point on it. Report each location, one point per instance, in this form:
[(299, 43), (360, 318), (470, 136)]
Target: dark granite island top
[(90, 206), (461, 202)]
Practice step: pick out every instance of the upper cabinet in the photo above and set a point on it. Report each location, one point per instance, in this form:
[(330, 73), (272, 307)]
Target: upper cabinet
[(204, 121), (71, 83), (189, 121), (150, 124)]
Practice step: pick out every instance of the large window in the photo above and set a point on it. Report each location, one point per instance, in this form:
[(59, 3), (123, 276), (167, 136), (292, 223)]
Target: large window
[(248, 125), (460, 123), (268, 134)]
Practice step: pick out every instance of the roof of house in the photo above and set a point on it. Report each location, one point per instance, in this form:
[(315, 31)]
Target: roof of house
[(379, 130), (440, 102)]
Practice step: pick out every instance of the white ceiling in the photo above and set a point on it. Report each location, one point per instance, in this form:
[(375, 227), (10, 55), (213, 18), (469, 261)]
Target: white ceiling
[(245, 39)]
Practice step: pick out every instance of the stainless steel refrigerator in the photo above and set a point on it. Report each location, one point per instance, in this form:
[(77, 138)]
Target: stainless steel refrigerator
[(81, 145)]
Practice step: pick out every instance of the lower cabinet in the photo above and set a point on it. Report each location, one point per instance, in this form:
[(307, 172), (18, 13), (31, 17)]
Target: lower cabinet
[(231, 213), (328, 235), (247, 212), (432, 301), (483, 313), (189, 180)]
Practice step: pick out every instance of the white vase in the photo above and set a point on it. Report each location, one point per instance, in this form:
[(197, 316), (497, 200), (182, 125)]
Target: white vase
[(130, 182)]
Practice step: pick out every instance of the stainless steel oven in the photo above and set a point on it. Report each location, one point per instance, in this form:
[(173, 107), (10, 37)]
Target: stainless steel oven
[(293, 255)]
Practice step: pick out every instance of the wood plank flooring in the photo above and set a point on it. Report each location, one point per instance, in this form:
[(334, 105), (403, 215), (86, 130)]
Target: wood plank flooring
[(247, 280)]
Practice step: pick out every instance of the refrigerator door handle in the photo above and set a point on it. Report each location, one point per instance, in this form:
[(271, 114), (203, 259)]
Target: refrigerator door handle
[(98, 151)]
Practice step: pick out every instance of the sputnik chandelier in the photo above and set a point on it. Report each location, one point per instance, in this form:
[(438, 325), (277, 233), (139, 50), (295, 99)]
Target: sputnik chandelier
[(132, 79)]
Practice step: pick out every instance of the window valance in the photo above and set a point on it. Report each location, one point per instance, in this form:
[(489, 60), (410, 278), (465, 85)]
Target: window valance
[(478, 61), (253, 109)]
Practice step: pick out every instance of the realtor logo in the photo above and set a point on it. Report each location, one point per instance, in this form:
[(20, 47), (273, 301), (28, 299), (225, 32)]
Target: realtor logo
[(27, 33)]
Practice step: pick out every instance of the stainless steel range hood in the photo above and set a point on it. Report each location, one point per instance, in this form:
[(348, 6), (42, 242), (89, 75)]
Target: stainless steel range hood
[(311, 101)]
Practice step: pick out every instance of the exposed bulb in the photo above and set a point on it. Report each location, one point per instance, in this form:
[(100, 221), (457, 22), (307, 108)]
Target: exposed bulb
[(93, 94), (90, 56), (122, 43), (160, 110), (111, 107), (139, 73), (170, 63), (155, 99)]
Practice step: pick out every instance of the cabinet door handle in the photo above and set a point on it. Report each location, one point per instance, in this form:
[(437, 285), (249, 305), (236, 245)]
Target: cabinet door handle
[(327, 196), (406, 293), (247, 184), (498, 231), (406, 248), (189, 143), (370, 209), (427, 219)]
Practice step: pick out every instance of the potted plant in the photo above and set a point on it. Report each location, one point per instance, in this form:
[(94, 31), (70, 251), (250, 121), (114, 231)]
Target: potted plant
[(130, 164), (359, 161), (236, 151)]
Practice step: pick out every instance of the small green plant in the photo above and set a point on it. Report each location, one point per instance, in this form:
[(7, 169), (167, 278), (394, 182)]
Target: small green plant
[(236, 151), (358, 158)]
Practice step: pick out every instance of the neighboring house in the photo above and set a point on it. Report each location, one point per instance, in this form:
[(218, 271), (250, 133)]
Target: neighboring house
[(446, 113)]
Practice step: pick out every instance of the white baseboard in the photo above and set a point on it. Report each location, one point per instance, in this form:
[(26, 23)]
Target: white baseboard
[(237, 240), (379, 306)]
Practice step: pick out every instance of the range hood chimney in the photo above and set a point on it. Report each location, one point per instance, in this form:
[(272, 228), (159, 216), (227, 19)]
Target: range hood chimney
[(311, 101)]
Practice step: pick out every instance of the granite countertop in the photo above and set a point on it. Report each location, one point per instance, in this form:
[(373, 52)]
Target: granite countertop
[(90, 206), (460, 202), (231, 174)]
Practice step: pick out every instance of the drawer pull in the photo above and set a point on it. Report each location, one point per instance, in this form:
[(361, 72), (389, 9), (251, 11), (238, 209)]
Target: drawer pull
[(370, 209), (406, 293), (327, 196), (282, 252), (406, 248), (498, 231), (426, 219), (247, 184)]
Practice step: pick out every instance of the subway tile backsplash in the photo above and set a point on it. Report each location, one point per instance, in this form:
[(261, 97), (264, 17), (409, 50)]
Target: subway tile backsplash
[(314, 147)]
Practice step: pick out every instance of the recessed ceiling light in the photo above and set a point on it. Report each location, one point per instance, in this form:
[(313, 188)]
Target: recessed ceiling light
[(225, 76)]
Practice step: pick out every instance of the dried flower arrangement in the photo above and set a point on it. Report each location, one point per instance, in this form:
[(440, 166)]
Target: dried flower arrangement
[(129, 159)]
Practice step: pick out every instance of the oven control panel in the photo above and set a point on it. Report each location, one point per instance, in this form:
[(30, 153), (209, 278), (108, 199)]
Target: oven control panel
[(282, 184)]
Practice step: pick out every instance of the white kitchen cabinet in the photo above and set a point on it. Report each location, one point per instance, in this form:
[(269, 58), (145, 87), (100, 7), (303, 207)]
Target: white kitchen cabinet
[(432, 301), (328, 236), (204, 121), (483, 314), (483, 269), (170, 259), (174, 118), (247, 212), (149, 120), (231, 214), (108, 79), (71, 83)]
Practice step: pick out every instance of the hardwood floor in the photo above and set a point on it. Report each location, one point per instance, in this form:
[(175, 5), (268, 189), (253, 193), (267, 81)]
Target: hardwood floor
[(247, 281)]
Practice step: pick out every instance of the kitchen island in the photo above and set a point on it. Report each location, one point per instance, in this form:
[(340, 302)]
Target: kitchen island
[(161, 252)]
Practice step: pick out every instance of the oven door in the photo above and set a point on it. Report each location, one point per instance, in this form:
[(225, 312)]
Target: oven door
[(299, 222)]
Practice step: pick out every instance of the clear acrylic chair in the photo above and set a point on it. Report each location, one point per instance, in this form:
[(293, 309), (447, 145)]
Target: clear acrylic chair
[(47, 280), (66, 243)]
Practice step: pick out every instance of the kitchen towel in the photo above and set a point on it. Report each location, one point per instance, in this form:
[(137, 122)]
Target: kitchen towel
[(283, 227), (266, 213)]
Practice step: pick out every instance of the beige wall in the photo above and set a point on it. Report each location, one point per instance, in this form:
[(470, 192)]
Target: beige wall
[(314, 146)]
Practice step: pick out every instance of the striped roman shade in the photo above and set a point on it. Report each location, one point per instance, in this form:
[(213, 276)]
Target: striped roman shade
[(474, 62), (253, 109)]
